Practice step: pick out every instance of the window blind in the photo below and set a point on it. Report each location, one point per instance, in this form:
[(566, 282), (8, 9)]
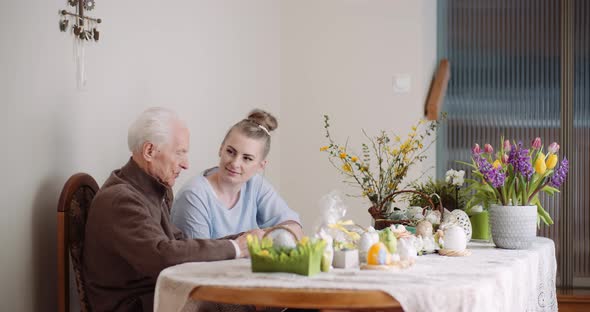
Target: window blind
[(521, 69)]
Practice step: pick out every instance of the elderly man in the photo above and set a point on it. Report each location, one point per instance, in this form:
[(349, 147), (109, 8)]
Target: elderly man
[(129, 236)]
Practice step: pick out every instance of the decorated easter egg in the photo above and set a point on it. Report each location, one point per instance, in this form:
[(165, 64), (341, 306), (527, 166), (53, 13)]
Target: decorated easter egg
[(454, 238), (378, 254), (463, 220), (283, 239)]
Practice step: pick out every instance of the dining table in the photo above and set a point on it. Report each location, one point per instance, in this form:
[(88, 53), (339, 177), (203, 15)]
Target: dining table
[(489, 279)]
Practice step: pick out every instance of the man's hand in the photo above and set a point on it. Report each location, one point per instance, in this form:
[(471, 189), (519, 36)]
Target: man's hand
[(243, 244)]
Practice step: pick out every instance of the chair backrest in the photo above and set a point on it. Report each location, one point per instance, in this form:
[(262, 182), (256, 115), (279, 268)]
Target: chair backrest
[(72, 210)]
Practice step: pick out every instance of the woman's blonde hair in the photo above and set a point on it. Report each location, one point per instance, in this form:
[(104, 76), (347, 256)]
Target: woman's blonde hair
[(258, 125)]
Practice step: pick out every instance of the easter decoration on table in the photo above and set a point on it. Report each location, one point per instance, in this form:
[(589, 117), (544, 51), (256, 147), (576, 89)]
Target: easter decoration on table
[(424, 230), (395, 250), (282, 238), (464, 222), (378, 254), (344, 234), (278, 255), (368, 239), (453, 239)]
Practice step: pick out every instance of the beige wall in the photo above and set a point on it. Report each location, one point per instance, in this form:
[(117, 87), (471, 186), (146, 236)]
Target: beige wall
[(212, 61), (339, 58)]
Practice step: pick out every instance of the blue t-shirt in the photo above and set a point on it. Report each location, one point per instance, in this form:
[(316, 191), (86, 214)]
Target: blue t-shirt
[(199, 214)]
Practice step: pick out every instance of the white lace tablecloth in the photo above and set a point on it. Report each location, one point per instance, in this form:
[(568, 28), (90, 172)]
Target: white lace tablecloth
[(491, 279)]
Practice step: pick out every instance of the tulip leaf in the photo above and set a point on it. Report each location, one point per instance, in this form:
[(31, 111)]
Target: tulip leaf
[(550, 190)]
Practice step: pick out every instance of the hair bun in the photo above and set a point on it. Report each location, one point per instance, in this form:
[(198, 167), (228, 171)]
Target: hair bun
[(264, 119)]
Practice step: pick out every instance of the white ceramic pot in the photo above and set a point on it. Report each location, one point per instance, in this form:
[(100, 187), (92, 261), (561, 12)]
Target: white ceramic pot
[(513, 227)]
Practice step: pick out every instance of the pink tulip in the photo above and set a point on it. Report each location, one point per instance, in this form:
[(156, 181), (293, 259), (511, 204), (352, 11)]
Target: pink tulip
[(536, 144), (553, 148), (476, 149), (507, 146), (505, 158), (488, 148)]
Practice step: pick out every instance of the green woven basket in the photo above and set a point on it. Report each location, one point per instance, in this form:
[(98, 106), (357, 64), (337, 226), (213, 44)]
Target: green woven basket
[(304, 259)]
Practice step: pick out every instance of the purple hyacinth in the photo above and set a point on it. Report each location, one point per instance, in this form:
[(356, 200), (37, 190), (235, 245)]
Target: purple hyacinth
[(492, 175), (521, 161), (560, 174)]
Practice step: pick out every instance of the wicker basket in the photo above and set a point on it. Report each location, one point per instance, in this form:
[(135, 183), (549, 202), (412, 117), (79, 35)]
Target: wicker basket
[(381, 223), (305, 259)]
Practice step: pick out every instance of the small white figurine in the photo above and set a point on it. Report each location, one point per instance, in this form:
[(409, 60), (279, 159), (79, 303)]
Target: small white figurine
[(429, 245), (424, 229), (407, 249)]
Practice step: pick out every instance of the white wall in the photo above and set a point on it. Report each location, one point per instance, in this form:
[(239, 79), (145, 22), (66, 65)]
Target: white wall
[(339, 57), (212, 61)]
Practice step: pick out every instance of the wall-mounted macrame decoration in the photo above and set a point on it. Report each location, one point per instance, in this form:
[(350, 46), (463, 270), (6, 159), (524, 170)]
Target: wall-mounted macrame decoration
[(84, 29)]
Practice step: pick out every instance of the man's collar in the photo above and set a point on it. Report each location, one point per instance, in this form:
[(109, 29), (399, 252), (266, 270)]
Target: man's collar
[(150, 186)]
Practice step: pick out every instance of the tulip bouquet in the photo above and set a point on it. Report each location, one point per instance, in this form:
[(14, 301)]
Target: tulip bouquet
[(515, 175)]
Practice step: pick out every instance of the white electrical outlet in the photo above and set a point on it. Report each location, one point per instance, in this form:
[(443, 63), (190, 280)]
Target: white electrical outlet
[(402, 83)]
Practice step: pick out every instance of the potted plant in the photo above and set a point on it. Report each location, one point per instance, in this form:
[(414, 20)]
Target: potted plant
[(381, 165), (448, 191), (510, 181)]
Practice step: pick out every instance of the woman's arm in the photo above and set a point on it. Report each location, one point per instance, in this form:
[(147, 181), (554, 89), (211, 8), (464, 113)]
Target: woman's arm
[(273, 210)]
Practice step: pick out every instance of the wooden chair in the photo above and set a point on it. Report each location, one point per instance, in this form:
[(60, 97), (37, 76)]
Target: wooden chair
[(72, 209)]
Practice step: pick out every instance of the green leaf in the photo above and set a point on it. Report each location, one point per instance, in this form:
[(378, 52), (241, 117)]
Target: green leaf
[(550, 190), (541, 213)]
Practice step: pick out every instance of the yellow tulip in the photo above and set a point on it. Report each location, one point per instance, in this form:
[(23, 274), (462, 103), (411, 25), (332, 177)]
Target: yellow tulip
[(497, 164), (540, 166), (551, 161)]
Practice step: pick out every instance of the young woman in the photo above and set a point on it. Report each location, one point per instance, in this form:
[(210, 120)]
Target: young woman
[(234, 197)]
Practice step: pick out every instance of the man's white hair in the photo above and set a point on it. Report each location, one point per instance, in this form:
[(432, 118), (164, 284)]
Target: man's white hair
[(154, 125)]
